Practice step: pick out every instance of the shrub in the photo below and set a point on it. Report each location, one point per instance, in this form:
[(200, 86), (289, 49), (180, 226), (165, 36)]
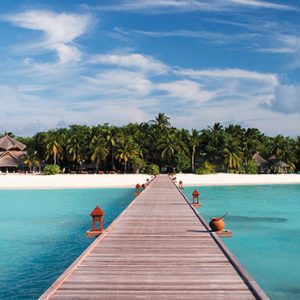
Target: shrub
[(51, 169), (138, 165), (182, 162), (207, 168), (251, 167), (152, 169)]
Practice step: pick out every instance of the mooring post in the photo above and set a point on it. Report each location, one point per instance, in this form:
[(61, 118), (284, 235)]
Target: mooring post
[(196, 202), (97, 218)]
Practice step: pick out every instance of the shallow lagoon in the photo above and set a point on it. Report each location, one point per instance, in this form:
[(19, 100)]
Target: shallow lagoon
[(265, 221), (43, 232)]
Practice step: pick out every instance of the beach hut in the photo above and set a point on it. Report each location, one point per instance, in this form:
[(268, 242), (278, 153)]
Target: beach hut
[(11, 153), (281, 167), (262, 164)]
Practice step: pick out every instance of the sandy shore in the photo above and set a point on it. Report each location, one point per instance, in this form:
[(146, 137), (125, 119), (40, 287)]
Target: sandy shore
[(28, 181), (19, 181), (237, 179)]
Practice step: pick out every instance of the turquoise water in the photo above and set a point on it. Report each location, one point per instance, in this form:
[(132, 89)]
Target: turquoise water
[(43, 231), (265, 221)]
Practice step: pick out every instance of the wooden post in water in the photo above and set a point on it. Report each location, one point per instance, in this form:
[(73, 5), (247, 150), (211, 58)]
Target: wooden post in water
[(97, 218), (196, 202)]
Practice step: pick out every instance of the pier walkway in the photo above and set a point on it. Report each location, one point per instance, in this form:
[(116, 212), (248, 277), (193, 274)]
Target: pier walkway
[(158, 248)]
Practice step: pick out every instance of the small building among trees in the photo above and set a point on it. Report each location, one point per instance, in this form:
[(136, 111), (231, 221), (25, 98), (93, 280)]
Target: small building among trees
[(261, 163), (281, 167), (11, 154)]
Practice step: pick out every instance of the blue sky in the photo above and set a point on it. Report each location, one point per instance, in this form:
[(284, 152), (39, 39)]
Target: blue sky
[(199, 61)]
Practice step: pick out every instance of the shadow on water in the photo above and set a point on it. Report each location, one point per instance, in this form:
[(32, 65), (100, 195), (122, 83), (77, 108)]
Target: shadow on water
[(246, 219)]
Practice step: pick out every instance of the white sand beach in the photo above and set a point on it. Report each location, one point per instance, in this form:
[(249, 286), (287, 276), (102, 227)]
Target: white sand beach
[(28, 181), (237, 179)]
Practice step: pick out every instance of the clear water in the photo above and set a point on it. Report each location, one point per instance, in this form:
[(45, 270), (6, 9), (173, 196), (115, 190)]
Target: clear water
[(43, 231), (265, 221)]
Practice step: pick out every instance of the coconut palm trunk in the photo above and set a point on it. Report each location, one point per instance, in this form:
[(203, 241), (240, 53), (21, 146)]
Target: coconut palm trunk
[(193, 160), (97, 164), (112, 159)]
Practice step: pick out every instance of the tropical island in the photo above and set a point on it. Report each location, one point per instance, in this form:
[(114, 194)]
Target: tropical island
[(153, 147)]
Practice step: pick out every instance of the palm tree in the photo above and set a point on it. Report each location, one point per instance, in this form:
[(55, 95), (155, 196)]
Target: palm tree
[(99, 150), (9, 133), (232, 153), (74, 149), (170, 145), (297, 150), (53, 146), (127, 150), (278, 146), (30, 160), (251, 142), (111, 142), (235, 131), (212, 143), (161, 121), (193, 141)]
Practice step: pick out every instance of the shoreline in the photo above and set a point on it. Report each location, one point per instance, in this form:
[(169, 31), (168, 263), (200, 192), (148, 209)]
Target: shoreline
[(94, 181), (70, 181), (225, 179)]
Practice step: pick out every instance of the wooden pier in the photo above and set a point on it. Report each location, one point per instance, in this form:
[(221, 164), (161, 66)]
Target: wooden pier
[(158, 248)]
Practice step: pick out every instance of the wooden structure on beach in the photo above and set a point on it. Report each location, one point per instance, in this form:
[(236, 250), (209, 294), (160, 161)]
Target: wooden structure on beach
[(11, 153), (261, 163), (158, 248)]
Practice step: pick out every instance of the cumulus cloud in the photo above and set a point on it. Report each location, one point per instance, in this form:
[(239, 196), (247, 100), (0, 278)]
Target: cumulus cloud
[(59, 30), (286, 99)]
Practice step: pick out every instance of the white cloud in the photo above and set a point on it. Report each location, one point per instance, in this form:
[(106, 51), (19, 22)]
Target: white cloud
[(262, 4), (286, 99), (157, 5), (134, 90), (213, 37), (181, 6), (282, 44), (120, 82), (132, 60), (187, 90), (230, 74), (60, 30), (246, 114)]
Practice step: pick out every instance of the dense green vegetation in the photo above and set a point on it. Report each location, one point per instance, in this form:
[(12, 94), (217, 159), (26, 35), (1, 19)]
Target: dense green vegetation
[(156, 145)]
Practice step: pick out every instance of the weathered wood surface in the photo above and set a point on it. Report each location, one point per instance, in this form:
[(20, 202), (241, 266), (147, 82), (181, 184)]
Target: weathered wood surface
[(159, 248)]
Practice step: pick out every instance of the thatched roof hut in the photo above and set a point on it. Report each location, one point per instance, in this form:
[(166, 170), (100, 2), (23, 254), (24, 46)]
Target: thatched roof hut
[(11, 152), (282, 167), (259, 159), (281, 164), (9, 143)]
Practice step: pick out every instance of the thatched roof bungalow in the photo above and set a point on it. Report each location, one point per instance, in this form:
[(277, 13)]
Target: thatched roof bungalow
[(11, 153), (282, 167), (261, 162), (259, 159)]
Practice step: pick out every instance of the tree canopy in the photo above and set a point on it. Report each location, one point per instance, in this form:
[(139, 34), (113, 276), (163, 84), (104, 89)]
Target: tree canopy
[(138, 145)]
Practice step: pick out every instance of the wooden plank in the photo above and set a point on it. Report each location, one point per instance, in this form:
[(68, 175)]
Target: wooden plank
[(159, 248)]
